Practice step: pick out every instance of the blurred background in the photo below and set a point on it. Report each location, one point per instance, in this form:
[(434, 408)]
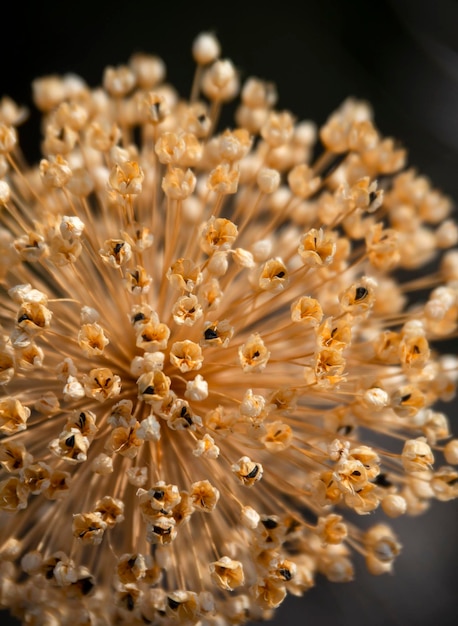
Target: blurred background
[(402, 56)]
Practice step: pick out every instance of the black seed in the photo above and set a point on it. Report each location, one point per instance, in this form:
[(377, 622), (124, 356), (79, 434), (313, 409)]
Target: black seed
[(23, 318), (382, 481), (201, 118), (138, 317), (253, 473), (118, 247), (149, 390), (285, 573), (185, 415), (280, 274), (130, 602), (269, 523), (82, 420), (361, 292), (86, 585), (292, 526), (406, 398), (70, 441), (256, 354), (372, 197), (158, 495), (49, 572), (356, 473), (210, 333), (161, 531), (173, 604)]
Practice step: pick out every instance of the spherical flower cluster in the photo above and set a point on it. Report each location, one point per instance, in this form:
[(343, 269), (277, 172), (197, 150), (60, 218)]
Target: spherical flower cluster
[(208, 361)]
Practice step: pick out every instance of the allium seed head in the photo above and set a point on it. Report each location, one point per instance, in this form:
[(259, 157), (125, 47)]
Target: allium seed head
[(199, 328)]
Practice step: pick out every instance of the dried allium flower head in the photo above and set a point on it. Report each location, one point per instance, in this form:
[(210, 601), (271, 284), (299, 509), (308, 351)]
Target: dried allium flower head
[(207, 362)]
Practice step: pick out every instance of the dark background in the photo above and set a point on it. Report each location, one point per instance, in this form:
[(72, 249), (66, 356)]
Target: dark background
[(402, 55)]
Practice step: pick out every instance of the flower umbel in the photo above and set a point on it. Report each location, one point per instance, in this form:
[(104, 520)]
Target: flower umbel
[(198, 331)]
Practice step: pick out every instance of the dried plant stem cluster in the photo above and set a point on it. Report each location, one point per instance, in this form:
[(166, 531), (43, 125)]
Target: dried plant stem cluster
[(206, 357)]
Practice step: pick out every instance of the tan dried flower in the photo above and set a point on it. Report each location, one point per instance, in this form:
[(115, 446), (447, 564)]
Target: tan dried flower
[(182, 420)]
